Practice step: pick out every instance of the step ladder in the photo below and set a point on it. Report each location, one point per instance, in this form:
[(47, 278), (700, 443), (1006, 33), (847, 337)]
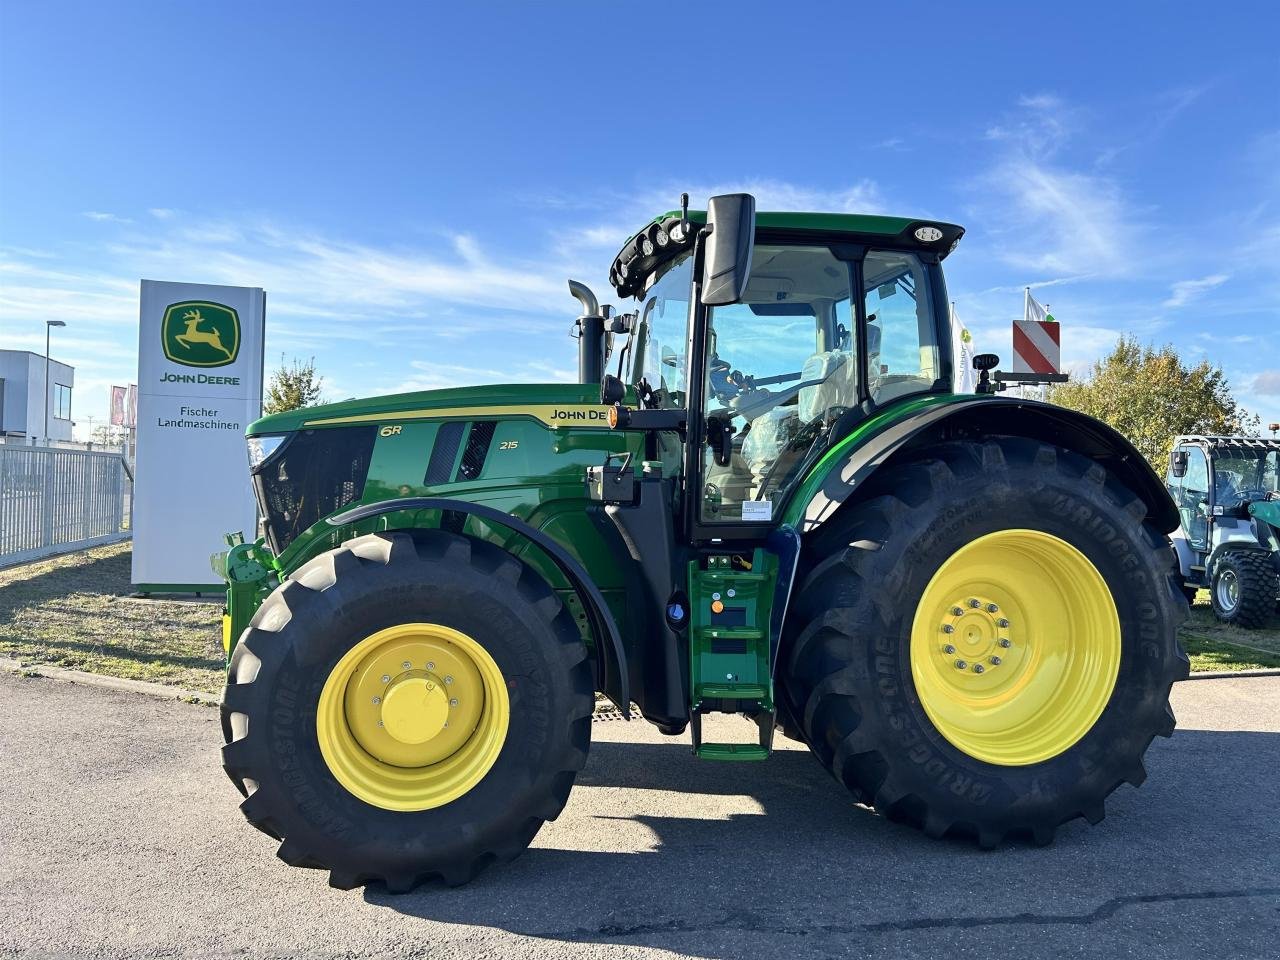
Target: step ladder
[(731, 598)]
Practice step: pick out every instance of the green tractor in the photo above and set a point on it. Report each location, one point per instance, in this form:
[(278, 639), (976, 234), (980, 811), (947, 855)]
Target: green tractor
[(1228, 494), (763, 498)]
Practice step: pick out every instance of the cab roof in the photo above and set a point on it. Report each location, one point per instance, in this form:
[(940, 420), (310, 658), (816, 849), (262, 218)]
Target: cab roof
[(632, 264)]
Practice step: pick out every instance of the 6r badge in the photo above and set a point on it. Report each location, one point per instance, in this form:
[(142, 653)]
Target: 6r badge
[(197, 333)]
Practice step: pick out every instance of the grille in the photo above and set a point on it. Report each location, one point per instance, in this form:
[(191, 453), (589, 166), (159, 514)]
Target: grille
[(316, 473), (477, 451), (446, 448)]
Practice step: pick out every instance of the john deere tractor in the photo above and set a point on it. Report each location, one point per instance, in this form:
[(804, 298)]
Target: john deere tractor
[(762, 498), (1228, 494)]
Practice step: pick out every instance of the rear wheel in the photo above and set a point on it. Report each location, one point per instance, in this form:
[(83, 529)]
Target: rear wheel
[(987, 640), (1243, 588), (407, 707)]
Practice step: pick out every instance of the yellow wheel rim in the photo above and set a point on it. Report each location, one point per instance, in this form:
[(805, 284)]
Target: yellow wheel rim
[(1015, 647), (413, 716)]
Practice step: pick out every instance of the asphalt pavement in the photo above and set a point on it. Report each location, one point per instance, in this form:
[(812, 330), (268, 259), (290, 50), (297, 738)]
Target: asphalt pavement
[(119, 837)]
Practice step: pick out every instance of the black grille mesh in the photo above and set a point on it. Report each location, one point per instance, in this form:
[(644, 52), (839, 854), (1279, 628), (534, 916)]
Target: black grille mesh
[(477, 451), (316, 473), (446, 448)]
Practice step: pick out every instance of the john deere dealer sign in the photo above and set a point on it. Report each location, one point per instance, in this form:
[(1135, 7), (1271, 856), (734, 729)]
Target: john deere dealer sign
[(199, 386)]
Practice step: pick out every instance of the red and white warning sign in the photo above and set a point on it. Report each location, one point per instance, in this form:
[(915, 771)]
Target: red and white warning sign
[(1036, 346)]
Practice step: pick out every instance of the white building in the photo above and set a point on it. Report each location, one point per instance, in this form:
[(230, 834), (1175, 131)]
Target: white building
[(23, 392)]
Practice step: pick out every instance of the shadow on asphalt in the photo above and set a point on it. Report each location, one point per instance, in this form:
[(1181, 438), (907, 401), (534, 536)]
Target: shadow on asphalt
[(818, 863)]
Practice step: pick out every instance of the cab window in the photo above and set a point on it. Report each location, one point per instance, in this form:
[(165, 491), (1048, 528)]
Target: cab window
[(902, 343), (661, 336), (781, 366)]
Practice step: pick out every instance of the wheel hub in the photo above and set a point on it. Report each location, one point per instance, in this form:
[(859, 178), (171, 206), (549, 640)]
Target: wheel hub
[(415, 709)]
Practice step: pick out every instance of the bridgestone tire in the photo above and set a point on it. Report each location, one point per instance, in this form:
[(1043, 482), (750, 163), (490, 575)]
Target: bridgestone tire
[(1256, 576), (326, 607), (848, 677)]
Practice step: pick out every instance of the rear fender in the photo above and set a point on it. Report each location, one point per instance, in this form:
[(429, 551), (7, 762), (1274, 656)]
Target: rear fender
[(976, 418), (610, 658)]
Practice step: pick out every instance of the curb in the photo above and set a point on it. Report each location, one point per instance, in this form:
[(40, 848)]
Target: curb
[(160, 691), (1231, 674)]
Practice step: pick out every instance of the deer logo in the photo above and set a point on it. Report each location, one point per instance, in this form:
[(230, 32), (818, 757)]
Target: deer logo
[(192, 319), (201, 334)]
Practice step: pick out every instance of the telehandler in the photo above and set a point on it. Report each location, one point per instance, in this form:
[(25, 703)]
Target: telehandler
[(765, 498)]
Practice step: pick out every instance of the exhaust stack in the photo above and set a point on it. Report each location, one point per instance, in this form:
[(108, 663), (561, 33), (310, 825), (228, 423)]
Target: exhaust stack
[(590, 333)]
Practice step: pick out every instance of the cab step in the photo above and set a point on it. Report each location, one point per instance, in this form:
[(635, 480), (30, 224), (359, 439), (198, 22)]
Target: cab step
[(732, 751)]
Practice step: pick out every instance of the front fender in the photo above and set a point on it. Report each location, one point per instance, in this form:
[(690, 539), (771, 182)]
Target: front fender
[(611, 659), (925, 421)]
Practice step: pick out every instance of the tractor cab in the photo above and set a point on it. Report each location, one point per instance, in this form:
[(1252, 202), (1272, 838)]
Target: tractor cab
[(770, 336), (1227, 490)]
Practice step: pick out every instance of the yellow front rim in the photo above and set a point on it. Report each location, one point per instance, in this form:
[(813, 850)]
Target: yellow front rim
[(413, 716), (1015, 647)]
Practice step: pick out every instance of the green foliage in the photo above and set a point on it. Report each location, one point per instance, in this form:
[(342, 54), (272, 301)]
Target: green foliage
[(293, 386), (1151, 396)]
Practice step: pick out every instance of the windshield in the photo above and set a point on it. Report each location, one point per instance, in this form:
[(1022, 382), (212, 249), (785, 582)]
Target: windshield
[(1243, 475)]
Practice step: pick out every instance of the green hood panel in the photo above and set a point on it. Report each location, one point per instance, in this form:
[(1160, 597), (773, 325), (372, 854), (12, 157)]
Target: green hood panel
[(397, 405)]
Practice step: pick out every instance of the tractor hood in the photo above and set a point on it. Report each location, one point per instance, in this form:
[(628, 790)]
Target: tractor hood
[(424, 404)]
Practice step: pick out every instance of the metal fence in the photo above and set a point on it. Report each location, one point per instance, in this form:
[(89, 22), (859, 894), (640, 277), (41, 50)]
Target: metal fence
[(54, 500)]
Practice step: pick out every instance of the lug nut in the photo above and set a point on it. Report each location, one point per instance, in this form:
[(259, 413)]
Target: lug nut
[(1002, 622), (948, 628), (978, 668), (974, 602), (960, 665), (948, 649), (386, 678), (431, 665), (993, 608), (995, 661), (379, 723), (956, 611), (1004, 642), (377, 700), (448, 679), (407, 665)]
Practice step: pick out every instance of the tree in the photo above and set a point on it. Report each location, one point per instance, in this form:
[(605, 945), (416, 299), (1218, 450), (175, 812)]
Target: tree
[(1151, 396), (293, 386)]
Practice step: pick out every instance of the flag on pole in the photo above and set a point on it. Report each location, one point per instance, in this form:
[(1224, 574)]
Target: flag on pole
[(131, 407), (962, 354), (1033, 310), (117, 406)]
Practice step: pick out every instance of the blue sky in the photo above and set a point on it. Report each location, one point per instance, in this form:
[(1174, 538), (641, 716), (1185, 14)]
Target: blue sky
[(412, 183)]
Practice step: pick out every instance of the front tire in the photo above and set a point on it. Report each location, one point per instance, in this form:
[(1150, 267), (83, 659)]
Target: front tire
[(405, 707), (1243, 588), (1083, 594)]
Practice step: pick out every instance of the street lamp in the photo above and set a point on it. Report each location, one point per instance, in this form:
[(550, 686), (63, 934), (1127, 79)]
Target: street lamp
[(48, 328)]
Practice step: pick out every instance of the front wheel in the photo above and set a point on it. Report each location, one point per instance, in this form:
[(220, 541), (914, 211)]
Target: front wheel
[(988, 640), (407, 706), (1243, 588)]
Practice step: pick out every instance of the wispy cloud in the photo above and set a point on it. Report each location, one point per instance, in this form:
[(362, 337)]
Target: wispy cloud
[(1267, 383), (104, 217), (1184, 291)]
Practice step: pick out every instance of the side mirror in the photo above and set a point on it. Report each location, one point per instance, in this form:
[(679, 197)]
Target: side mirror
[(726, 265), (1178, 463)]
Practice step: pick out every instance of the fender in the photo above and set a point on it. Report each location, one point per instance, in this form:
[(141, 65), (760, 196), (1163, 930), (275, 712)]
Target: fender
[(611, 660), (859, 455)]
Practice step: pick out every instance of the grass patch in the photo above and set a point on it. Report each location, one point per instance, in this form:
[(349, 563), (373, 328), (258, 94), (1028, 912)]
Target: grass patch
[(76, 611), (1219, 646)]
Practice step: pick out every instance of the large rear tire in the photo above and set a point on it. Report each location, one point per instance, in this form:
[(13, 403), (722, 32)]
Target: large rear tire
[(405, 707), (986, 640)]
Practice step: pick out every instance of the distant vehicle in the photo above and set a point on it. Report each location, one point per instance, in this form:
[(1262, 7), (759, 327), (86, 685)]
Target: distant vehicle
[(1228, 492)]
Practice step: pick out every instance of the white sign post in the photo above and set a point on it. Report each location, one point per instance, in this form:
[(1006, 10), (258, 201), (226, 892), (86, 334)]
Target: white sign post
[(200, 352)]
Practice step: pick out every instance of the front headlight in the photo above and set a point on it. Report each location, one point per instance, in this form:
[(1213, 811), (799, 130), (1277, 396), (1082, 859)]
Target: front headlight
[(262, 447)]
